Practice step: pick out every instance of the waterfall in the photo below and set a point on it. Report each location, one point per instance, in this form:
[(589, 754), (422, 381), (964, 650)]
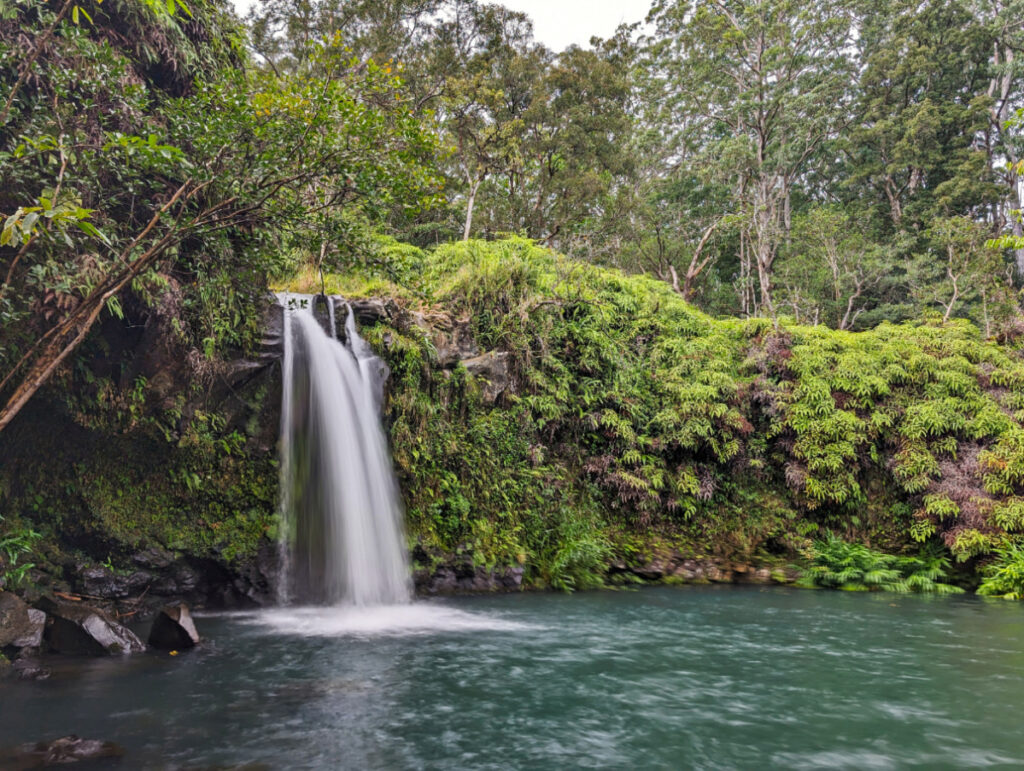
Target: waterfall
[(341, 518)]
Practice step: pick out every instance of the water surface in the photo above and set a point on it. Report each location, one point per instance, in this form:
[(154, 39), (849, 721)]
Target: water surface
[(690, 677)]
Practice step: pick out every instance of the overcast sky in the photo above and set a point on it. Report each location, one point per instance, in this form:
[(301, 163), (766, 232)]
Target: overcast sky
[(560, 23)]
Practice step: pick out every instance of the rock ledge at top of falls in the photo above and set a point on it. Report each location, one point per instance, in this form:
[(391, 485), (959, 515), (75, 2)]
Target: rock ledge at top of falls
[(452, 338)]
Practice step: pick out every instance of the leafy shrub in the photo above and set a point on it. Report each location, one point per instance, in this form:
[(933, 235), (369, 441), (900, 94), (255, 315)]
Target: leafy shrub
[(15, 543), (1004, 577), (837, 564)]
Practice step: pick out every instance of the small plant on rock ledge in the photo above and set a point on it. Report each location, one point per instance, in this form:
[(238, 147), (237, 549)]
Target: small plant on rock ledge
[(14, 545)]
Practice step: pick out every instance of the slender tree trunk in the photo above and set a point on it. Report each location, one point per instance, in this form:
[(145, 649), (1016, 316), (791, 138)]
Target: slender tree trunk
[(474, 186), (956, 287), (764, 278), (745, 305)]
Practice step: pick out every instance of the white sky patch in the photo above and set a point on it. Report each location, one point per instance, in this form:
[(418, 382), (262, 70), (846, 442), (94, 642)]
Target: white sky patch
[(561, 23)]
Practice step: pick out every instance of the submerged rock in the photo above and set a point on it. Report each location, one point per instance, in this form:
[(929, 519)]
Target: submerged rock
[(29, 667), (84, 631), (173, 629), (66, 749)]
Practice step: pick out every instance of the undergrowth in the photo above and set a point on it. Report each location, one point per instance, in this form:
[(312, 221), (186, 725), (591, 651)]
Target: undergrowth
[(624, 423), (629, 409)]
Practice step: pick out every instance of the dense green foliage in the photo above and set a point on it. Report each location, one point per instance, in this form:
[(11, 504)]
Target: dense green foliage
[(15, 544), (635, 420), (1004, 577), (149, 174), (854, 567), (768, 175)]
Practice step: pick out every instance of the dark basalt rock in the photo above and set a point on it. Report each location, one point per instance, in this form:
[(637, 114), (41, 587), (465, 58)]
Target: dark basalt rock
[(493, 369), (66, 749), (184, 580), (368, 311), (169, 579), (464, 578), (153, 558), (33, 637), (15, 622), (99, 581), (173, 629), (84, 631)]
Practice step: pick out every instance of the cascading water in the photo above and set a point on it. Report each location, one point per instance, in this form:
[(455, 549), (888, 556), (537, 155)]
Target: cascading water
[(342, 540)]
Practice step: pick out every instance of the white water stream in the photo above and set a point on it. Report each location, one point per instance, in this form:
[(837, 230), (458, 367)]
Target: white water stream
[(341, 541)]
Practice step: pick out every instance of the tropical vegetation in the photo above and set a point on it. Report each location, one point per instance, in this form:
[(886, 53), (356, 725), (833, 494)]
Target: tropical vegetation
[(751, 273)]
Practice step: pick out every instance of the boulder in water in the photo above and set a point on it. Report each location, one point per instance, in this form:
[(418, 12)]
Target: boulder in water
[(15, 622), (66, 749), (33, 636), (173, 629), (84, 631)]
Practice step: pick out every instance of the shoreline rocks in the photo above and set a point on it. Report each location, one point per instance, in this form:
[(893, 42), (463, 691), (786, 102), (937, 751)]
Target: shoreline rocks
[(465, 578), (173, 629), (15, 622), (81, 630)]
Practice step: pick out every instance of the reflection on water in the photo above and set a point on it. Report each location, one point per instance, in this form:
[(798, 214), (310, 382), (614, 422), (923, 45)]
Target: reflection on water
[(695, 677)]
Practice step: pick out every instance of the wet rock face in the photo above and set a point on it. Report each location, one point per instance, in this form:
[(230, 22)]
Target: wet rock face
[(99, 581), (67, 749), (494, 371), (173, 629), (368, 311), (165, 578), (84, 631), (464, 578)]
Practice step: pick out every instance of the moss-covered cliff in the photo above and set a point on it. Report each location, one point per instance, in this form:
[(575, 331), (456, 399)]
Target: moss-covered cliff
[(598, 420), (550, 416)]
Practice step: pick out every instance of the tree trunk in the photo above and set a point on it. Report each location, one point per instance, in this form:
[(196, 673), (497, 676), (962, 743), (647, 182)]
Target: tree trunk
[(62, 340), (469, 208)]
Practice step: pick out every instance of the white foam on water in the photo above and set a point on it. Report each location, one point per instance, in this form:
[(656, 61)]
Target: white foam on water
[(416, 618)]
